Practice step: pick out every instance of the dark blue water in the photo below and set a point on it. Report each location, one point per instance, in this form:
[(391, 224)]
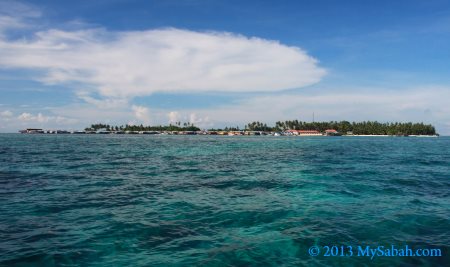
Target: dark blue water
[(68, 200)]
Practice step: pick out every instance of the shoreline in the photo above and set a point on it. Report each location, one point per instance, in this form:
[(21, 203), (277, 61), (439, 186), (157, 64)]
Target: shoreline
[(243, 133)]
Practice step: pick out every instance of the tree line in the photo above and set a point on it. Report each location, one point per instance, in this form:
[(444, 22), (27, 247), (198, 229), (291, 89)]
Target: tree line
[(135, 128), (359, 128)]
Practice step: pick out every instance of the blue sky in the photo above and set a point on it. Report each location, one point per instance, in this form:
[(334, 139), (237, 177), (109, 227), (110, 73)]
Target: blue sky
[(66, 64)]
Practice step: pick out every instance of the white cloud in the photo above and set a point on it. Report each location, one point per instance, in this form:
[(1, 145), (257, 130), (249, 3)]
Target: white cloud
[(108, 103), (16, 15), (30, 117), (174, 116), (136, 63), (202, 122), (191, 117), (142, 114), (6, 114), (43, 119), (26, 116)]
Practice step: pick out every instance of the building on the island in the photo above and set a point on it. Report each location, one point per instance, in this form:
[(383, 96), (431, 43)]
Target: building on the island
[(303, 132), (32, 131)]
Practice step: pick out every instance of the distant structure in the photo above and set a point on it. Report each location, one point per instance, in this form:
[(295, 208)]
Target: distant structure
[(32, 131), (332, 132), (282, 128), (304, 132)]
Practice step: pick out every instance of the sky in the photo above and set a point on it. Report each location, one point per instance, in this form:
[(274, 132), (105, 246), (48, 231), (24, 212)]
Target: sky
[(217, 63)]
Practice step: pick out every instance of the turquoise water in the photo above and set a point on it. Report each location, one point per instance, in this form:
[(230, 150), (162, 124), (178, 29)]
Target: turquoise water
[(73, 200)]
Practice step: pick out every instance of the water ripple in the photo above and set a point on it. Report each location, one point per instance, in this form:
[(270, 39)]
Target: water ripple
[(219, 201)]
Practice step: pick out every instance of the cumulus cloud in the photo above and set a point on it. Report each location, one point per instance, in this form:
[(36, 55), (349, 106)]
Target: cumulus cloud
[(27, 116), (199, 121), (174, 117), (190, 117), (107, 69), (142, 114), (136, 63), (42, 119), (6, 114)]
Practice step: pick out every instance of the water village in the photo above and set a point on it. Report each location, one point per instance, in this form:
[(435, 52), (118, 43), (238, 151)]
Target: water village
[(286, 128)]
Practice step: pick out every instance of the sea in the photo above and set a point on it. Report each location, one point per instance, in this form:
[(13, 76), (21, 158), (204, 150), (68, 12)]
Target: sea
[(155, 200)]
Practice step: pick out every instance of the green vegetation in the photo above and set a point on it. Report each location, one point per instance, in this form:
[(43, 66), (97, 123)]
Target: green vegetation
[(226, 129), (259, 126), (176, 127), (362, 128), (344, 127)]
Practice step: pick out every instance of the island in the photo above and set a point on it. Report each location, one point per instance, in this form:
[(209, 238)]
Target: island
[(281, 128)]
